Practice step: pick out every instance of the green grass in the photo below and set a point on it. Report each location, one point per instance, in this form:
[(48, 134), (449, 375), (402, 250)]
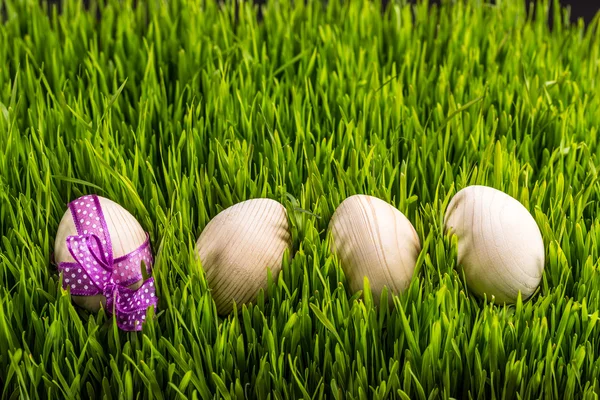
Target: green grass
[(179, 109)]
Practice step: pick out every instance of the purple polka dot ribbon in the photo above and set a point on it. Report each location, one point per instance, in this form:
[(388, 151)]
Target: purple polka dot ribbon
[(96, 272)]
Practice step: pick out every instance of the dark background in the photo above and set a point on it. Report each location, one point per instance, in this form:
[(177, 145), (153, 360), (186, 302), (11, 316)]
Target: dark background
[(582, 8), (585, 9)]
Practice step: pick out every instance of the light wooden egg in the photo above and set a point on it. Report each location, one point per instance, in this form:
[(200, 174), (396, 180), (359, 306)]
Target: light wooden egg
[(126, 235), (237, 247), (373, 239), (500, 247)]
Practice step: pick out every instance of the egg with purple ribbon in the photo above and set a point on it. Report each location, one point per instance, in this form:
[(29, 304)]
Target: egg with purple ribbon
[(100, 249)]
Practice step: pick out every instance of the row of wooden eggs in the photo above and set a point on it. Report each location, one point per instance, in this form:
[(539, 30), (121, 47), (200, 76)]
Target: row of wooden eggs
[(500, 247)]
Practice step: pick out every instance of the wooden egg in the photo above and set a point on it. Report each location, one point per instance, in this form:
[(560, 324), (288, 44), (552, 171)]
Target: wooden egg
[(500, 247), (238, 246), (126, 235), (373, 239)]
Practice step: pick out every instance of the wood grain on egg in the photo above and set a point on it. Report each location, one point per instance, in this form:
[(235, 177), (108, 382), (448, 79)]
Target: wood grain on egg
[(500, 247), (375, 240), (238, 246), (126, 235)]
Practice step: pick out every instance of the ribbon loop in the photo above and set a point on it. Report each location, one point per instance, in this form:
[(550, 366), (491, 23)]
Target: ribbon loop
[(130, 305), (95, 271)]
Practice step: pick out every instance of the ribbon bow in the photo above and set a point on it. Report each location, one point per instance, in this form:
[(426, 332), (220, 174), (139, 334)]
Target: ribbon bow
[(95, 271)]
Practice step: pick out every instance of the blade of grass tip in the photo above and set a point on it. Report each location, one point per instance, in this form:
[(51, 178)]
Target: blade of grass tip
[(128, 384), (297, 378), (458, 111), (176, 389), (47, 85), (185, 380), (4, 112), (296, 206), (13, 95), (112, 100), (325, 321), (120, 178), (221, 386), (77, 181), (302, 210), (408, 332), (139, 371), (88, 125), (386, 83), (320, 387), (290, 62), (292, 199), (151, 376), (262, 114)]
